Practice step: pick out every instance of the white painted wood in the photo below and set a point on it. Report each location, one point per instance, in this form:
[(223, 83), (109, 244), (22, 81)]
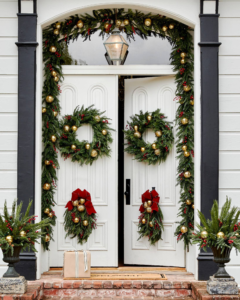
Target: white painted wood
[(229, 84), (229, 141), (9, 27), (234, 194), (8, 46), (229, 179), (229, 26), (100, 179), (8, 141), (8, 161), (8, 103), (229, 122), (229, 9), (229, 160), (8, 65), (8, 122), (229, 65), (9, 84), (229, 103), (148, 94), (8, 179), (8, 9), (230, 45)]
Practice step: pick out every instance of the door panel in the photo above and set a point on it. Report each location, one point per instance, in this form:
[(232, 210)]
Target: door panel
[(100, 179), (148, 94)]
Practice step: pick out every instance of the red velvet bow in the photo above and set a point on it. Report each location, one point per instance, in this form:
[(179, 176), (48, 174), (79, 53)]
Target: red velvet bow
[(78, 194), (153, 196)]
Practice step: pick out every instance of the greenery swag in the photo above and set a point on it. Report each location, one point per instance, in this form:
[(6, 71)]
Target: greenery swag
[(80, 216), (150, 153), (131, 23), (150, 221)]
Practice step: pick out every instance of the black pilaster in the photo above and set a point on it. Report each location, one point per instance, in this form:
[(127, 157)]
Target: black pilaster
[(210, 128), (27, 24)]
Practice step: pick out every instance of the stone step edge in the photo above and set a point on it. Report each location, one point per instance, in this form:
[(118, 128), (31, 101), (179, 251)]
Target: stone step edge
[(113, 298)]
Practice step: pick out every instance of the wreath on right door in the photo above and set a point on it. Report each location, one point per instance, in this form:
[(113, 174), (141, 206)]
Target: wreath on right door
[(156, 152)]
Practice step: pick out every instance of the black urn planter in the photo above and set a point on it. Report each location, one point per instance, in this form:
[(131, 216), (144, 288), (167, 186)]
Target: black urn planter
[(11, 260), (221, 259)]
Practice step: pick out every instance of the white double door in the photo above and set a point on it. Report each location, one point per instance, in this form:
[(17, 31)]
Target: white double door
[(148, 94), (101, 178)]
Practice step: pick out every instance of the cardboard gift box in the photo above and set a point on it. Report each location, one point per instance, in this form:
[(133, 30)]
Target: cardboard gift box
[(77, 264)]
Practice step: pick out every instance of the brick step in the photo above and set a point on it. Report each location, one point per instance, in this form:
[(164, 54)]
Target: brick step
[(112, 298)]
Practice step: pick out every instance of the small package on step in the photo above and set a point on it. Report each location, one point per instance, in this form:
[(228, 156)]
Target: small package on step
[(77, 264)]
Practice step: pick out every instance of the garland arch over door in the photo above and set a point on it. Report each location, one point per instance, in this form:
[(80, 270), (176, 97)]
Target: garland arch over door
[(144, 25)]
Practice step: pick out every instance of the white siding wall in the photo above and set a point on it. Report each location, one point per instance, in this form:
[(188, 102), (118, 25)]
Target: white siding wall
[(8, 105), (229, 111)]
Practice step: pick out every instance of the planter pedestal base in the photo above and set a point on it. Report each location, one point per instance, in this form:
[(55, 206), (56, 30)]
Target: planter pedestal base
[(222, 286), (14, 285)]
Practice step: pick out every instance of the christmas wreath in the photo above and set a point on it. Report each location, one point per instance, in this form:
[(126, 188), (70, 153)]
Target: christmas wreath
[(150, 220), (83, 151), (156, 152), (80, 216)]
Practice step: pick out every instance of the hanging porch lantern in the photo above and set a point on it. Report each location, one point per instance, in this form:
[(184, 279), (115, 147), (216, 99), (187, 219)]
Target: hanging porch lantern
[(116, 47)]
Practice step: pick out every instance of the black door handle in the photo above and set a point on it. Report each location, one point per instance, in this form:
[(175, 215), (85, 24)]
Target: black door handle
[(127, 192)]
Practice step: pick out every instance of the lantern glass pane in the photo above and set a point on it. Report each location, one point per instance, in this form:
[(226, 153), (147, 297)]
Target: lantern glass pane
[(124, 50), (114, 51)]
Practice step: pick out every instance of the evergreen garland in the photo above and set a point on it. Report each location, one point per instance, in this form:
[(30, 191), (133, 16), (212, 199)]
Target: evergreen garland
[(156, 152), (83, 151), (131, 23)]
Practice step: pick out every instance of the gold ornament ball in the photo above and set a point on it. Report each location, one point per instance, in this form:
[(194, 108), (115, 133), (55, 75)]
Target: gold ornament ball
[(56, 78), (145, 205), (184, 121), (182, 61), (150, 224), (154, 146), (183, 55), (149, 202), (158, 133), (220, 234), (81, 208), (50, 215), (187, 174), (87, 146), (53, 49), (148, 22), (76, 220), (186, 88), (74, 128), (204, 234), (49, 99), (135, 127), (58, 25), (236, 233), (82, 201), (143, 221), (94, 153), (47, 162), (66, 128), (53, 138), (97, 118), (142, 149), (118, 23), (186, 153), (75, 203), (164, 28), (157, 152), (56, 31), (149, 118), (148, 210), (73, 147), (126, 22), (47, 238), (104, 132), (184, 229), (23, 233), (106, 26), (44, 110), (9, 239), (191, 102), (188, 202), (55, 113), (184, 148), (137, 134), (54, 73), (47, 211), (193, 206), (80, 24), (171, 26), (46, 186), (85, 223)]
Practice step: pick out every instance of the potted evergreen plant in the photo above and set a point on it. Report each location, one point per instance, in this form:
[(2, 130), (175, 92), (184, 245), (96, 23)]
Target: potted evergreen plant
[(221, 234), (18, 232)]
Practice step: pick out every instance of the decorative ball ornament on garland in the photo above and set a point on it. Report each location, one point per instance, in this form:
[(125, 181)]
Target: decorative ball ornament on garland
[(164, 28), (184, 229), (46, 186), (9, 239), (53, 49), (150, 221), (220, 235), (156, 152), (80, 24), (47, 238), (44, 110), (118, 23), (126, 22), (80, 151), (80, 220), (148, 22)]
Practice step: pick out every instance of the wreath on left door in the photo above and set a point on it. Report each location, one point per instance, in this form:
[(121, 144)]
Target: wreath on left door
[(80, 216), (85, 152)]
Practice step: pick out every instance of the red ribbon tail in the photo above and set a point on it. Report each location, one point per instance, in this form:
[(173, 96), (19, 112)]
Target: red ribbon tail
[(69, 205)]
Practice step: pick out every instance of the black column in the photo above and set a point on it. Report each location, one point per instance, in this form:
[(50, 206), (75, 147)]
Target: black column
[(27, 24), (210, 128)]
